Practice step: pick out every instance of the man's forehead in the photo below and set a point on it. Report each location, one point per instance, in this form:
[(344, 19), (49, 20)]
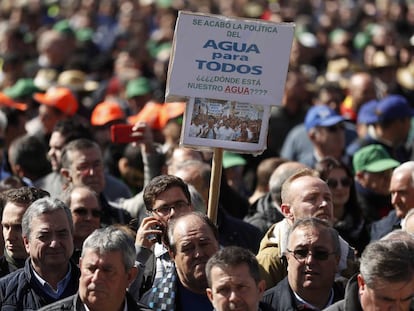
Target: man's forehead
[(309, 235)]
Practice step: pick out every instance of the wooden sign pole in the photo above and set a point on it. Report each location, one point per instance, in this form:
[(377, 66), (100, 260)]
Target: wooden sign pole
[(215, 182)]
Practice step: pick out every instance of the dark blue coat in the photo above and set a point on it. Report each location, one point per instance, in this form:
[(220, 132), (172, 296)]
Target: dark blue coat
[(21, 291)]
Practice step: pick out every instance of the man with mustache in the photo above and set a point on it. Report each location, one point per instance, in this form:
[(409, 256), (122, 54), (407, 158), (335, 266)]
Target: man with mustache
[(48, 274), (304, 195), (107, 268), (192, 239), (312, 254)]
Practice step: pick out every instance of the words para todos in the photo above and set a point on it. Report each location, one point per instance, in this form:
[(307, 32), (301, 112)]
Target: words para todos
[(227, 50)]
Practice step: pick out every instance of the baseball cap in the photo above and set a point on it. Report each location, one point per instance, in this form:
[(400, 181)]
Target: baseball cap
[(106, 112), (76, 80), (321, 115), (137, 87), (231, 159), (367, 112), (9, 102), (61, 98), (24, 87), (393, 107), (374, 159)]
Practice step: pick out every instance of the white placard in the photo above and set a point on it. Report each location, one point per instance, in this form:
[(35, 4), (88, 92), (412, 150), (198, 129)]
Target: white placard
[(243, 60)]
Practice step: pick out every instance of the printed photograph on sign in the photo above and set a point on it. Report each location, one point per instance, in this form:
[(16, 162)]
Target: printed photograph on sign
[(225, 124)]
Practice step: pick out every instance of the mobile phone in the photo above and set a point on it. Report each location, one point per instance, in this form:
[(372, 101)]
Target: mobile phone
[(122, 134), (156, 237)]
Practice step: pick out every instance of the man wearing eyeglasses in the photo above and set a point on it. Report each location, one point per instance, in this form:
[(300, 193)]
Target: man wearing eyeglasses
[(312, 254), (304, 195), (86, 215), (166, 197)]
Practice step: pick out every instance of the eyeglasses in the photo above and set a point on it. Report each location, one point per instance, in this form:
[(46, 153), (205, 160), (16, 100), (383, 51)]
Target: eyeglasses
[(334, 183), (165, 210), (83, 212), (335, 128), (318, 254)]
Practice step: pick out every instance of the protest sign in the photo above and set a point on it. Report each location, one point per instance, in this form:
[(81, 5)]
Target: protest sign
[(218, 57)]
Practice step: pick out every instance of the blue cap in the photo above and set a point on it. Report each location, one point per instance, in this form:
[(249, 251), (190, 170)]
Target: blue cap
[(367, 112), (321, 115), (393, 107)]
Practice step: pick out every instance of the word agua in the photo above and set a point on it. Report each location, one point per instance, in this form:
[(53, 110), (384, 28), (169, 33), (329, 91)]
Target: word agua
[(227, 50)]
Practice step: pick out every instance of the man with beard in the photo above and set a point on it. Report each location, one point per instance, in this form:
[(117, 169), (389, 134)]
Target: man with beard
[(192, 239), (312, 254)]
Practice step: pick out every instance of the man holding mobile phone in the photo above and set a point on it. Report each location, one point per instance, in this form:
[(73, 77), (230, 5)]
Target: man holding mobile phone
[(166, 197)]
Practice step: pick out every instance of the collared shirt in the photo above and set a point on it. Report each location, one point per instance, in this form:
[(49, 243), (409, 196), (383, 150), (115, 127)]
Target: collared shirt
[(48, 289), (303, 304), (124, 309)]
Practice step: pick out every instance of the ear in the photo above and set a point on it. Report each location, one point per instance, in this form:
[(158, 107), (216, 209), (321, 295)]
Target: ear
[(312, 135), (261, 287), (209, 293), (122, 165), (26, 244), (286, 211), (361, 283), (171, 253), (66, 174), (359, 177), (132, 274)]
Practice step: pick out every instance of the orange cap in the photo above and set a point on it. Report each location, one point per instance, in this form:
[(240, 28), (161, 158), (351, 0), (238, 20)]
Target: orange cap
[(106, 112), (149, 114), (170, 111), (61, 98), (9, 102), (157, 115)]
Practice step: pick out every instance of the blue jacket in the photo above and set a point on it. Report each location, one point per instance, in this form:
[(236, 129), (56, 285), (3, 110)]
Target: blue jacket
[(21, 291)]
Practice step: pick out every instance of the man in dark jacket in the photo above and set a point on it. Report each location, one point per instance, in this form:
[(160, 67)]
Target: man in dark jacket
[(386, 280), (107, 268), (234, 282), (312, 255), (48, 274)]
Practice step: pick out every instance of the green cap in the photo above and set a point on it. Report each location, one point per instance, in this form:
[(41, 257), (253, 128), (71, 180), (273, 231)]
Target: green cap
[(374, 159), (22, 88), (138, 87), (231, 159)]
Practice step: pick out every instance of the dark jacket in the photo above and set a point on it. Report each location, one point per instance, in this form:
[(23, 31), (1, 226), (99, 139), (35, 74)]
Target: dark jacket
[(384, 226), (74, 303), (351, 299), (281, 296), (263, 213), (9, 265), (21, 291)]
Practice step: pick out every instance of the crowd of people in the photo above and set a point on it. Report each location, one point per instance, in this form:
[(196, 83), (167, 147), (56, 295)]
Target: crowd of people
[(322, 219)]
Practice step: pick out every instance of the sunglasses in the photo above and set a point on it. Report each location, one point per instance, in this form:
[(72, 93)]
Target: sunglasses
[(318, 254), (334, 183), (83, 212)]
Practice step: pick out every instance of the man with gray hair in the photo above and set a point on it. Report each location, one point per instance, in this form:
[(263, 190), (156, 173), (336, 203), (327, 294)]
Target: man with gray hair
[(107, 269), (385, 281), (48, 274), (402, 199)]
